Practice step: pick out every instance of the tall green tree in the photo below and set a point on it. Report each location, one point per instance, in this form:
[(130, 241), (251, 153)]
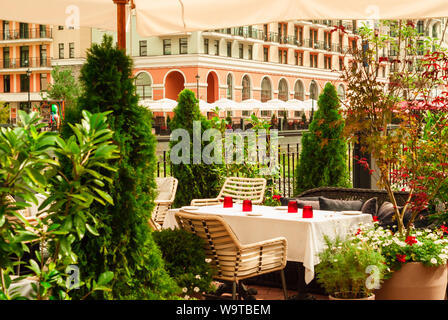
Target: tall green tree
[(125, 244), (64, 87), (196, 180), (323, 159)]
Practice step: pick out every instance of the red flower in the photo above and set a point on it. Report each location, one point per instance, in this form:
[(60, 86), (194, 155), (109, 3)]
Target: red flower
[(358, 232), (375, 218), (383, 59), (444, 229), (401, 257), (276, 197), (410, 240)]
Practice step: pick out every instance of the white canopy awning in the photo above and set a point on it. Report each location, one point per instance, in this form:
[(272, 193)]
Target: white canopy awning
[(310, 104), (226, 104), (296, 105), (274, 104), (162, 105), (250, 104), (205, 106), (176, 16)]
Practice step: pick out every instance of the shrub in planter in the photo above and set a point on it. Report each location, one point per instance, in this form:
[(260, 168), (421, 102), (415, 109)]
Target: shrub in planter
[(125, 244), (185, 260), (196, 180), (350, 269), (323, 159)]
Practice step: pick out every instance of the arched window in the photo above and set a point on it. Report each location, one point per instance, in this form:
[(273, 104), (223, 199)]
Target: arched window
[(283, 93), (144, 85), (266, 90), (341, 92), (299, 92), (229, 86), (314, 91), (435, 30), (246, 88)]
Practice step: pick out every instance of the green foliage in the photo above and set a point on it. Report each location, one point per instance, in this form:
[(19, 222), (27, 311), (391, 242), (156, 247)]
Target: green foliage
[(428, 246), (125, 244), (343, 269), (64, 87), (196, 180), (4, 113), (186, 260), (64, 215), (323, 160)]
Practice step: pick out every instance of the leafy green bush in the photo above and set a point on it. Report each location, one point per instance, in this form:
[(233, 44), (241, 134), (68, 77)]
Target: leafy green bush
[(196, 180), (26, 168), (323, 160), (185, 260), (125, 244), (344, 269)]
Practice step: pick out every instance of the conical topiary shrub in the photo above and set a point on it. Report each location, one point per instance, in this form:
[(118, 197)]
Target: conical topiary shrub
[(323, 159), (196, 180), (124, 244)]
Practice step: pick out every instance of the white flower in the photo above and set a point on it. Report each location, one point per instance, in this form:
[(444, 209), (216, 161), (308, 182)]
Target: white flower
[(335, 260), (443, 256), (208, 260), (433, 261), (186, 297), (198, 277), (196, 289), (184, 290)]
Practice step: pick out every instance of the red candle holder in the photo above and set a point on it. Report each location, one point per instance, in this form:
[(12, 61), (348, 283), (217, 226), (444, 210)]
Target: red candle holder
[(247, 206), (307, 212), (228, 202), (292, 206)]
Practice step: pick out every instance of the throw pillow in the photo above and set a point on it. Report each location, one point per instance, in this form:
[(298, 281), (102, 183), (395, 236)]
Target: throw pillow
[(314, 204), (386, 214), (284, 201), (339, 205), (370, 206)]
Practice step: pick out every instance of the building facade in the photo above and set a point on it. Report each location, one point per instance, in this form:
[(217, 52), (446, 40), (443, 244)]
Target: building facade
[(282, 60), (25, 64)]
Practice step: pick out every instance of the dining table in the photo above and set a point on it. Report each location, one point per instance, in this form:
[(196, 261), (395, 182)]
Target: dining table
[(305, 236)]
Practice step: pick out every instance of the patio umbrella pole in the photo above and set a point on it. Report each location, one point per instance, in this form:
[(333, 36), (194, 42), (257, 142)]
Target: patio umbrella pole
[(121, 22)]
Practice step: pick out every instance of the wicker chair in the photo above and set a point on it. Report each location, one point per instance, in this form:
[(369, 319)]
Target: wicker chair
[(239, 189), (166, 188), (355, 194), (232, 260)]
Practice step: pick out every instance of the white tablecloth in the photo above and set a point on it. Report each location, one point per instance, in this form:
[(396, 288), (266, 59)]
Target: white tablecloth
[(305, 236)]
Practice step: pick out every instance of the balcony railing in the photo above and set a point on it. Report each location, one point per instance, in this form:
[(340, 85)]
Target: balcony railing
[(245, 32), (271, 37), (22, 63), (26, 34)]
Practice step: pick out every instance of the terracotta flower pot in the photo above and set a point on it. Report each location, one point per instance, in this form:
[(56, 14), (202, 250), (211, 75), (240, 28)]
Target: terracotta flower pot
[(372, 297), (414, 281)]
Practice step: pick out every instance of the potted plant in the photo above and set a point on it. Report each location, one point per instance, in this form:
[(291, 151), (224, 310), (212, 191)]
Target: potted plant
[(411, 154), (416, 265), (350, 270)]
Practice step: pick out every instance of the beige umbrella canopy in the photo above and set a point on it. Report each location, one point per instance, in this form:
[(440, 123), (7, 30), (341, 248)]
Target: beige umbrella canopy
[(156, 17)]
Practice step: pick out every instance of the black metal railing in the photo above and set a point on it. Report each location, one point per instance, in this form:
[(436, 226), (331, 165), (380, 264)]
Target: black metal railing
[(34, 33), (25, 63), (288, 158)]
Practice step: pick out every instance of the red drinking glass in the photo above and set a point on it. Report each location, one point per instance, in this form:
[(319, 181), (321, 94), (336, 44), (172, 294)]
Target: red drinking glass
[(247, 206), (307, 212), (292, 206), (228, 202)]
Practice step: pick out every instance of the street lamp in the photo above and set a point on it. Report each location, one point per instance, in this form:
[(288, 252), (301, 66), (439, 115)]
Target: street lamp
[(28, 74), (197, 86)]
